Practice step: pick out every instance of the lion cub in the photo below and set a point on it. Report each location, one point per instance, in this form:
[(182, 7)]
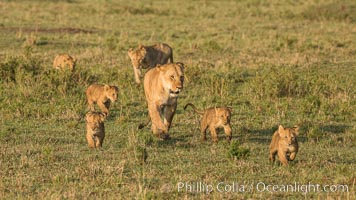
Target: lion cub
[(102, 95), (284, 144), (213, 118), (64, 61), (95, 129)]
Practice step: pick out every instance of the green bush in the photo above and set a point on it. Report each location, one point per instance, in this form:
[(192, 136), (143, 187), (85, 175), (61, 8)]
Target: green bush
[(237, 152)]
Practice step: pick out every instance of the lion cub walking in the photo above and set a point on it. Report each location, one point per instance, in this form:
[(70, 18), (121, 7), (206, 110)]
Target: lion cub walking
[(64, 61), (213, 118), (95, 129), (147, 57), (284, 144), (102, 95)]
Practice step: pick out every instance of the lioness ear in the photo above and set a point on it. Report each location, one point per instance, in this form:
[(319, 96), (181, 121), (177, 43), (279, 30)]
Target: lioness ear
[(229, 108), (181, 65), (130, 51), (159, 67), (140, 46), (280, 130), (106, 87)]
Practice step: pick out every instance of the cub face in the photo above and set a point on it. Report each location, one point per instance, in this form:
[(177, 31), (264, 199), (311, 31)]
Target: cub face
[(137, 56), (173, 78), (111, 92), (288, 135), (94, 119), (224, 116), (64, 61)]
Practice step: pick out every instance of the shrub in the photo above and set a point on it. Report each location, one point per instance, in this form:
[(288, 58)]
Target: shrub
[(237, 152)]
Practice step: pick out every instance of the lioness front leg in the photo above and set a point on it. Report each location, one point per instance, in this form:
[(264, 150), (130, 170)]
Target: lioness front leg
[(158, 127), (169, 114)]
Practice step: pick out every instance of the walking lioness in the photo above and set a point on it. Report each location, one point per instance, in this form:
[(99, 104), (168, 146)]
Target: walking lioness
[(162, 85), (147, 57)]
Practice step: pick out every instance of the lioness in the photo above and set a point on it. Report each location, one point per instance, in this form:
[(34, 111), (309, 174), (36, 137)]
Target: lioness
[(213, 118), (95, 129), (64, 61), (102, 95), (284, 144), (162, 85), (147, 57)]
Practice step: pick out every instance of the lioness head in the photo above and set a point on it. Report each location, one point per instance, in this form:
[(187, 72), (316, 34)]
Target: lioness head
[(173, 77), (224, 115), (111, 92), (94, 119), (137, 56), (287, 135)]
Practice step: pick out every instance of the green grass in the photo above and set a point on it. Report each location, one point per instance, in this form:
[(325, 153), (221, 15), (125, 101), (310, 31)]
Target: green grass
[(274, 62)]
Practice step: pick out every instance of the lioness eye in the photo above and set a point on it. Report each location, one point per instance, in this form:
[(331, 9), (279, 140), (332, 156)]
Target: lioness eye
[(172, 77), (286, 137)]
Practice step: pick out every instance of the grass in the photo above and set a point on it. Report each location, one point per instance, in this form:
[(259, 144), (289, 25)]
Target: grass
[(290, 63)]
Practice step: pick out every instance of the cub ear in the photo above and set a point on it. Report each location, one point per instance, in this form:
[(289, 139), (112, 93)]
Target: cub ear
[(296, 130), (280, 130), (140, 46), (143, 50), (181, 65), (102, 116), (116, 88), (130, 52), (87, 117), (106, 87), (230, 109)]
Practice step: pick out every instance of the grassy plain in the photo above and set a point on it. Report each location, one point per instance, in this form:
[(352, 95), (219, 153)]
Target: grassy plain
[(275, 62)]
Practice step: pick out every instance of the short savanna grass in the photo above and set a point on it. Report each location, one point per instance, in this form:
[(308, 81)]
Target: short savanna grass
[(274, 62)]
